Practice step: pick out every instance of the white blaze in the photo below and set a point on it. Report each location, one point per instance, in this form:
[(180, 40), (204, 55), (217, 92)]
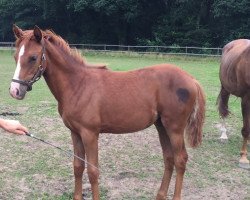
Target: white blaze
[(18, 68), (15, 87)]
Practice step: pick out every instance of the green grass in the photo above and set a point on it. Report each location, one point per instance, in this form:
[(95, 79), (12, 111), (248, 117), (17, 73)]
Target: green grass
[(31, 170)]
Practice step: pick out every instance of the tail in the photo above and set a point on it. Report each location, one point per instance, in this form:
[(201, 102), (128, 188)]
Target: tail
[(196, 119), (222, 102)]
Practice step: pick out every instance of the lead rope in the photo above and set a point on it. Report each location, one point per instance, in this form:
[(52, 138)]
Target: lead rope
[(65, 151)]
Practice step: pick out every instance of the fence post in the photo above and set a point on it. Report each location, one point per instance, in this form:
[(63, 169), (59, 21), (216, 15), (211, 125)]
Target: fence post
[(186, 50), (11, 48)]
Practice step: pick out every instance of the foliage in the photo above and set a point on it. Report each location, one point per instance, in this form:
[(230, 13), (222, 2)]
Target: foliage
[(131, 22)]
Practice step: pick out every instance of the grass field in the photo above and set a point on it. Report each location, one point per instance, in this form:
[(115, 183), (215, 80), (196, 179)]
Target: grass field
[(131, 165)]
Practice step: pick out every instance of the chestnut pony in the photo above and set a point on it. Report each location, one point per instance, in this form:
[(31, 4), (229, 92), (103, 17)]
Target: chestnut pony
[(92, 100), (235, 79)]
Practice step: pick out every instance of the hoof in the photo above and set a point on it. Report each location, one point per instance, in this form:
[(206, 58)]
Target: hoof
[(244, 165)]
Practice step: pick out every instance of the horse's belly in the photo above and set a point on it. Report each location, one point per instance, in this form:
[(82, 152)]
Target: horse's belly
[(124, 123)]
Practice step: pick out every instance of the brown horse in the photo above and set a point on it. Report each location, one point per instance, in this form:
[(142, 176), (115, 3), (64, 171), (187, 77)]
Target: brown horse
[(92, 100), (235, 79)]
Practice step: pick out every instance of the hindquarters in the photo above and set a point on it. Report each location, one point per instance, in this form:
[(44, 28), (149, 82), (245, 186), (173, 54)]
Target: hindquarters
[(234, 73), (182, 109), (234, 67), (183, 105)]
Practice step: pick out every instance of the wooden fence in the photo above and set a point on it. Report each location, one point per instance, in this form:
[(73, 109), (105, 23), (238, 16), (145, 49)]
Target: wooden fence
[(170, 50)]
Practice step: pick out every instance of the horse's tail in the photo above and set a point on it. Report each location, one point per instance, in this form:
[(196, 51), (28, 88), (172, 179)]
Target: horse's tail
[(222, 102), (196, 119)]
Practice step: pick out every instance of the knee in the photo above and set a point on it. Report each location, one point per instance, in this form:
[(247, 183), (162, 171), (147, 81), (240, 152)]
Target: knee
[(93, 175), (180, 162), (78, 169)]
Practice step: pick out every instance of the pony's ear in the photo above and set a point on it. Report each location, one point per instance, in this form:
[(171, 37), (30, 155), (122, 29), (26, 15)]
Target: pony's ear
[(38, 33), (17, 31)]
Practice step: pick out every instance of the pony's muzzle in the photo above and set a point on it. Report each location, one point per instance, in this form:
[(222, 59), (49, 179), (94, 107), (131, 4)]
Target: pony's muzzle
[(17, 90)]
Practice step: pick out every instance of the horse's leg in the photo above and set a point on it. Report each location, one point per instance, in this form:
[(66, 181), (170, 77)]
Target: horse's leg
[(79, 165), (168, 160), (180, 160), (176, 136), (223, 130), (245, 106), (90, 142), (222, 102)]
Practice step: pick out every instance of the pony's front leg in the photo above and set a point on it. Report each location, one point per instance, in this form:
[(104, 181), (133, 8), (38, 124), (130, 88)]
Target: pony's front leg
[(79, 165), (90, 142)]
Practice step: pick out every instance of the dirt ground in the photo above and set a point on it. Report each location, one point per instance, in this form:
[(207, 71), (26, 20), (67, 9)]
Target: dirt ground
[(146, 143)]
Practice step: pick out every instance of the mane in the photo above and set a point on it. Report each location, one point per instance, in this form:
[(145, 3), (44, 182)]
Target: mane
[(60, 42), (56, 40)]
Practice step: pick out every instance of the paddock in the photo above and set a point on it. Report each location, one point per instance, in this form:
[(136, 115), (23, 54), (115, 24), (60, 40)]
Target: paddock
[(32, 170)]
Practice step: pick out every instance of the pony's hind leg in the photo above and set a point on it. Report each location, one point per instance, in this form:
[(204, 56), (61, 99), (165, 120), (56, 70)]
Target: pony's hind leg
[(245, 106), (180, 160), (79, 165), (244, 162), (176, 137), (168, 160), (222, 102)]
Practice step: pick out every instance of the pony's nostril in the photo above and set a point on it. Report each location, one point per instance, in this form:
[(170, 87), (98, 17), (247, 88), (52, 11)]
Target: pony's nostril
[(17, 92)]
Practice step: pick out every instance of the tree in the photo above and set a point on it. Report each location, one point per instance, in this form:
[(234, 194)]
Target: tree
[(158, 22), (231, 20), (119, 21)]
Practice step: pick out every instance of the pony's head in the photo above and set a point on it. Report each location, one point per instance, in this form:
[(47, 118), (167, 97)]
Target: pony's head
[(29, 57)]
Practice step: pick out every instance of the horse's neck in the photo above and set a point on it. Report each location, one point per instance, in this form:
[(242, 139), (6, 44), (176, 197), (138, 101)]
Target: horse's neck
[(61, 76)]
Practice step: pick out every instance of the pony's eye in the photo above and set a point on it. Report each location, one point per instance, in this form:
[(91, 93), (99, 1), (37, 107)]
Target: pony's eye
[(33, 58)]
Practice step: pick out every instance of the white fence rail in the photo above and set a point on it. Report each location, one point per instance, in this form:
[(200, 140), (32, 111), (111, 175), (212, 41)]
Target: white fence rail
[(170, 50)]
